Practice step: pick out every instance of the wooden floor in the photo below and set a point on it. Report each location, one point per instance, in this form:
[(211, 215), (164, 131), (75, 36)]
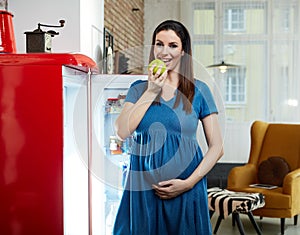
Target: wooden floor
[(268, 226)]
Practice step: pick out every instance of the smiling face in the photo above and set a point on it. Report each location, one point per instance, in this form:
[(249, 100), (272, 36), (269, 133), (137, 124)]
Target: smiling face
[(168, 48)]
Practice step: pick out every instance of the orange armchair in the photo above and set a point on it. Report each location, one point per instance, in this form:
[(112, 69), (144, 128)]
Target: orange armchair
[(272, 139)]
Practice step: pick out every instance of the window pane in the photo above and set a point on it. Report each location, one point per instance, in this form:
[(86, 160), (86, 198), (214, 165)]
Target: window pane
[(203, 53), (249, 83), (284, 15), (285, 83), (204, 13)]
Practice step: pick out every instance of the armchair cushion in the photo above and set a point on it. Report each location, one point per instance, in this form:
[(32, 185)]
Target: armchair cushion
[(274, 198), (272, 171)]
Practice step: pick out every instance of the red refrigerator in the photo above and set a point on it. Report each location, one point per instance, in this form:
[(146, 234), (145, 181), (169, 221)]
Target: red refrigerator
[(31, 141), (61, 168)]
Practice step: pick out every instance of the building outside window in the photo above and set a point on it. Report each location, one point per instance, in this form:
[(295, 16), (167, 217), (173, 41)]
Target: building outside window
[(234, 20), (286, 19), (235, 86)]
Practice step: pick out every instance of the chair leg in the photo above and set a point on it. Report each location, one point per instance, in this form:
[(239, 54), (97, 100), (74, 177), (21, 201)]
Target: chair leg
[(233, 219), (239, 223), (282, 225), (295, 219), (218, 224), (211, 213), (250, 215)]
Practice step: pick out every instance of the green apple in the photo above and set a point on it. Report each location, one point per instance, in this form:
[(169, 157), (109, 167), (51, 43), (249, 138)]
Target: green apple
[(158, 64)]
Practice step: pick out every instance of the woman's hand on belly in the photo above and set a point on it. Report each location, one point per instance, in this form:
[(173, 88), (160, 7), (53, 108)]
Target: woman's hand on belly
[(170, 188)]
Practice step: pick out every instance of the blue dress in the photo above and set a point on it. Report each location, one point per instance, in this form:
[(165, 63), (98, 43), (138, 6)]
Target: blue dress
[(165, 147)]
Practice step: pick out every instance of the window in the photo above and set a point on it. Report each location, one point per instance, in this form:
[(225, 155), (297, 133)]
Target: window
[(235, 86), (286, 19), (234, 20), (263, 37), (284, 88)]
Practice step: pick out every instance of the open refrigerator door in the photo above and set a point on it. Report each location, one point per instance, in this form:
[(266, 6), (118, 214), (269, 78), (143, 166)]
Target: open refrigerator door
[(95, 160), (110, 155)]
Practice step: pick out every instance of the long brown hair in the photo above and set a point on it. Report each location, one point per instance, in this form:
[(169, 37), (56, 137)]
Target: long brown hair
[(186, 86)]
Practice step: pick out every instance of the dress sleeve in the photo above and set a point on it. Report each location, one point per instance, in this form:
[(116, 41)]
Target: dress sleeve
[(135, 91), (204, 100)]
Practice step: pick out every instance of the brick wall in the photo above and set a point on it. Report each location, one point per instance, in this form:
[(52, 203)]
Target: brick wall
[(126, 24)]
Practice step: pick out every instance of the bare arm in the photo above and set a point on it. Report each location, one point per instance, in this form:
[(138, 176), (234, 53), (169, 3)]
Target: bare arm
[(215, 149), (174, 187), (132, 114)]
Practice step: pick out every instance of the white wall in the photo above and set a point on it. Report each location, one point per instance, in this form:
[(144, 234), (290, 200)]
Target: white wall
[(83, 30), (91, 28)]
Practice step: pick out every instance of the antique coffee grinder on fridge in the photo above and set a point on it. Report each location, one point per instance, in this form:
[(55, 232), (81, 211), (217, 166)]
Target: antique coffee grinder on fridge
[(39, 40)]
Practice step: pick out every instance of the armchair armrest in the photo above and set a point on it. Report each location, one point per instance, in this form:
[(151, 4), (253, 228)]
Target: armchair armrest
[(242, 176), (291, 186), (291, 183)]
